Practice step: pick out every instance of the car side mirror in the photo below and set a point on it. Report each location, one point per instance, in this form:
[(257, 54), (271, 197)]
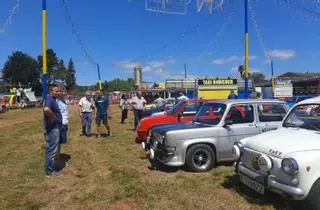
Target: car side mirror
[(227, 123), (179, 116)]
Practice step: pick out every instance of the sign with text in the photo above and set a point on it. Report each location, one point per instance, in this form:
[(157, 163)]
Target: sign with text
[(283, 88), (215, 82)]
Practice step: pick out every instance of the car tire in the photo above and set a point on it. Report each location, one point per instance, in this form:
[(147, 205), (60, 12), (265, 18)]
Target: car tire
[(200, 157), (313, 199)]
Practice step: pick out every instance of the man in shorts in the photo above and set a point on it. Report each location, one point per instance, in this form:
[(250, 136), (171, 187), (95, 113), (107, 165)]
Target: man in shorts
[(102, 112)]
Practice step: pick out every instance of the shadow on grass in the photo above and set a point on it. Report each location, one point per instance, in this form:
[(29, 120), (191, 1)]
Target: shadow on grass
[(269, 198), (62, 162), (156, 165)]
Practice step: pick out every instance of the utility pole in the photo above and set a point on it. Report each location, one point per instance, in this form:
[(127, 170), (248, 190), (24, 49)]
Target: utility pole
[(44, 50), (246, 52)]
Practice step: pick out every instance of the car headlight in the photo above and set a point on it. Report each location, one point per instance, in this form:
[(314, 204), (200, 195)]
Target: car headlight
[(289, 166), (237, 150), (265, 163)]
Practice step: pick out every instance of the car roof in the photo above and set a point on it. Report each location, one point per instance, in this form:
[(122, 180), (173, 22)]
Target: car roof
[(239, 101), (315, 100)]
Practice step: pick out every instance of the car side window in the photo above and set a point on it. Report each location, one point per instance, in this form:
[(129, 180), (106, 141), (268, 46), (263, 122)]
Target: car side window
[(271, 112), (191, 109), (241, 113)]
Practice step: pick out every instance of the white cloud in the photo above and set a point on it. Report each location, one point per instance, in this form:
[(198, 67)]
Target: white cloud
[(125, 64), (161, 63), (281, 54), (232, 59), (234, 69), (146, 68)]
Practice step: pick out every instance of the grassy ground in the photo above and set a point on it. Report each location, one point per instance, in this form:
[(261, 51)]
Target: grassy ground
[(106, 173)]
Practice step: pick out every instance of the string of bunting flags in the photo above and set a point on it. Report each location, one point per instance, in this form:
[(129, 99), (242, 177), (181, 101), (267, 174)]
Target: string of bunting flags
[(76, 33), (258, 32), (220, 31), (9, 18), (307, 14), (188, 31)]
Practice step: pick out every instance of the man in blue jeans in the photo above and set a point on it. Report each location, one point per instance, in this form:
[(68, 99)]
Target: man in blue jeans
[(52, 125)]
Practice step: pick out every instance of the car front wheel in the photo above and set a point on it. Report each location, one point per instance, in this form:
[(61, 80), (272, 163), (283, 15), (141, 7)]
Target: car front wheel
[(313, 199), (200, 157)]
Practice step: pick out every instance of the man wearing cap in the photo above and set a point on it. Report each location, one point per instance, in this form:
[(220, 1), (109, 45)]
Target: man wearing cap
[(86, 108)]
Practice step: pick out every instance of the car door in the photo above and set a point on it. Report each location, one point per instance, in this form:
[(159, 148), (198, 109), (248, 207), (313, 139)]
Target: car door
[(189, 111), (239, 123), (270, 115)]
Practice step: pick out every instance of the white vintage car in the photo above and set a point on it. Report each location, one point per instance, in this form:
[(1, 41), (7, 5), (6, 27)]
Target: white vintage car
[(286, 160)]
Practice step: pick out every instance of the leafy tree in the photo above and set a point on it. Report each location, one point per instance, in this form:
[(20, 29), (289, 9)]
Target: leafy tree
[(52, 65), (21, 68), (70, 75), (258, 77)]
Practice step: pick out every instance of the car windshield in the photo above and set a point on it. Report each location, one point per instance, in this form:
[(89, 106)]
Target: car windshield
[(210, 113), (305, 116), (175, 108)]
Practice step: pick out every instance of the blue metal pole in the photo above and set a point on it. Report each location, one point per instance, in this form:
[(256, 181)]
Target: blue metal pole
[(99, 77), (44, 50), (272, 79), (246, 52)]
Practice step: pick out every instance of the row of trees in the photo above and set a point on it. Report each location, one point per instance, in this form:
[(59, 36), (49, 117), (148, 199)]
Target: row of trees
[(22, 69)]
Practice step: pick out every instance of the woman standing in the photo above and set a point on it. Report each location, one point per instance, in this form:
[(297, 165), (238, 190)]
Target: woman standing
[(124, 105)]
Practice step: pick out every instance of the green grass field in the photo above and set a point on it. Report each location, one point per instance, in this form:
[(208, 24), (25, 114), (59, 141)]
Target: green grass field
[(105, 173)]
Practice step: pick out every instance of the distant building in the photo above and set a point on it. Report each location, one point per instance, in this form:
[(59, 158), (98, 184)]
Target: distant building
[(137, 71), (307, 83)]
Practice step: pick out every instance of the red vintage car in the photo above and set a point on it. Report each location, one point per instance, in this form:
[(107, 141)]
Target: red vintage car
[(183, 111)]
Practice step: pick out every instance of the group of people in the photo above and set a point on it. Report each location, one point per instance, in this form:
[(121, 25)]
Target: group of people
[(97, 108), (56, 119), (136, 104)]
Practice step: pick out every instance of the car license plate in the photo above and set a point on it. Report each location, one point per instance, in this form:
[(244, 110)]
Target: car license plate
[(252, 184)]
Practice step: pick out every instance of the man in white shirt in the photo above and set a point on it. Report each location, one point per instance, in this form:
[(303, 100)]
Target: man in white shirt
[(182, 97), (86, 107), (137, 102), (159, 101)]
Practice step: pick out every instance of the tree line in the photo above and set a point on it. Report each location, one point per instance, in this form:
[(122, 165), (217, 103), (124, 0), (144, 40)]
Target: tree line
[(21, 69)]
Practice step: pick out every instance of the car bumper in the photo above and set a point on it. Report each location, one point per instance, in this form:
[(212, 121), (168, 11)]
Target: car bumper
[(141, 136), (167, 158), (270, 183)]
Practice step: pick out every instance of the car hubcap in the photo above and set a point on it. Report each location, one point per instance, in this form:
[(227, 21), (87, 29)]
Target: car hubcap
[(201, 159)]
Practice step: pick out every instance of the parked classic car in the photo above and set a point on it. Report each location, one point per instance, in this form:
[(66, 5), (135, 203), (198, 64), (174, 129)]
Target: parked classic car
[(286, 160), (161, 109), (209, 138), (183, 111)]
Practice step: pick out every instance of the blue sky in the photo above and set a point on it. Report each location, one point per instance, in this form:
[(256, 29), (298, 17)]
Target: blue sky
[(121, 33)]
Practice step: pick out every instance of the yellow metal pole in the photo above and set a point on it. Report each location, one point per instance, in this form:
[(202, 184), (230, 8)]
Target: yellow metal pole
[(44, 50)]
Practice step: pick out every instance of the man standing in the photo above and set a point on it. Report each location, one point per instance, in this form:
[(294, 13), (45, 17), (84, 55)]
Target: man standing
[(232, 95), (182, 97), (137, 102), (52, 125), (86, 109), (65, 120), (159, 101), (102, 113)]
